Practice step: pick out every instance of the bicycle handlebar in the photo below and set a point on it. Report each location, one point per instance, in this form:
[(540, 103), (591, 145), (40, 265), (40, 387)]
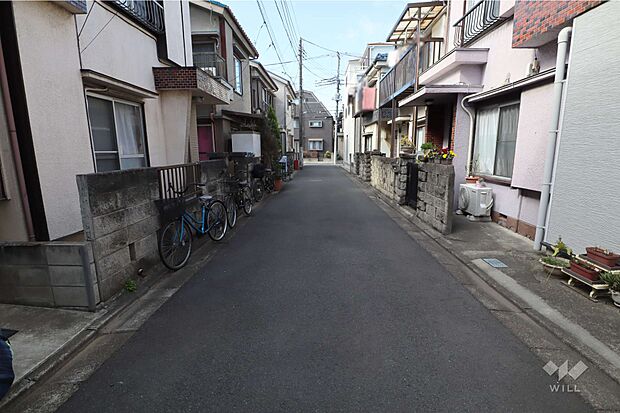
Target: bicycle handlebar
[(180, 193)]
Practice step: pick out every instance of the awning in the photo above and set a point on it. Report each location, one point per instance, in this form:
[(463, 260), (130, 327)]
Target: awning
[(541, 77), (115, 86), (437, 94), (422, 13)]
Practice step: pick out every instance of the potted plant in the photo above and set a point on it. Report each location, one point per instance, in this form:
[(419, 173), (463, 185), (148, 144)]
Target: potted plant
[(612, 279), (602, 256), (561, 250), (554, 265), (446, 155), (277, 174), (584, 270), (473, 178), (406, 145), (427, 148)]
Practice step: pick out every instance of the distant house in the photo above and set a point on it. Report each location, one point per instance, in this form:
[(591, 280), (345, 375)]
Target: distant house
[(318, 127), (285, 108)]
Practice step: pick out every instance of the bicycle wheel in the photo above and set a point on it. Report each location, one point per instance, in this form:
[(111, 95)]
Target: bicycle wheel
[(175, 244), (259, 191), (217, 220), (231, 211), (247, 200)]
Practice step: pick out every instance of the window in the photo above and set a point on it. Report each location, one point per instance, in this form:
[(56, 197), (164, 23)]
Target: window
[(496, 138), (316, 123), (118, 134), (238, 76), (315, 145)]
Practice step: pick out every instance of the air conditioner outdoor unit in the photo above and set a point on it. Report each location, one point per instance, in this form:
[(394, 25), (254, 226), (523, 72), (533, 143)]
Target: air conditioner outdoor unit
[(475, 201)]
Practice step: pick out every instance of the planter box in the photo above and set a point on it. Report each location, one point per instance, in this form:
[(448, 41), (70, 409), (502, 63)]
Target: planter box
[(597, 254), (584, 271)]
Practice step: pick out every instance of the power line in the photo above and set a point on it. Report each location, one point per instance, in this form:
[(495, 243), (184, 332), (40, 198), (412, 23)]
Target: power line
[(267, 25), (331, 50)]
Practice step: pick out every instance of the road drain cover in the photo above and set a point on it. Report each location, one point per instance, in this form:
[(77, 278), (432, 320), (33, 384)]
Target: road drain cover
[(495, 263)]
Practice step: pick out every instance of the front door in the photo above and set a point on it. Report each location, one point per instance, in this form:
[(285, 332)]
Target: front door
[(205, 141)]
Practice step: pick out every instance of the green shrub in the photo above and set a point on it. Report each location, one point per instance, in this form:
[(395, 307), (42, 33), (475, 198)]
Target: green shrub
[(558, 262), (612, 279)]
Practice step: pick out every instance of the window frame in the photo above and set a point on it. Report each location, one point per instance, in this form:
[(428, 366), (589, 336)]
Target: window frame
[(319, 141), (94, 153), (238, 86), (499, 107), (310, 122)]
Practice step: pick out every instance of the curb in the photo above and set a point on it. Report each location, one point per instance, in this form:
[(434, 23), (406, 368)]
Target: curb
[(109, 311), (561, 334)]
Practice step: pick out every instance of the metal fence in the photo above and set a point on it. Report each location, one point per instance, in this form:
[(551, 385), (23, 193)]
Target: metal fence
[(178, 178), (150, 13)]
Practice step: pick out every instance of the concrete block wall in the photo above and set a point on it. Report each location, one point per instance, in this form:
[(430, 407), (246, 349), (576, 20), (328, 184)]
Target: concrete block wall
[(51, 274), (121, 222), (436, 195), (365, 165)]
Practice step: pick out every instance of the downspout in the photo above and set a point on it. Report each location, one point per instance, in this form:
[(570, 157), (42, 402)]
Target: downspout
[(558, 89), (470, 145), (19, 171)]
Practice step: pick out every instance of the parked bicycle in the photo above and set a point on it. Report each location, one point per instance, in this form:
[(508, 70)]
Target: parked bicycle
[(175, 240), (239, 196)]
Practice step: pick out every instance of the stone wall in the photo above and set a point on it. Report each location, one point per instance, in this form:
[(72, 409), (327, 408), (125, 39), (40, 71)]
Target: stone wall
[(389, 176), (48, 274), (436, 195), (365, 165)]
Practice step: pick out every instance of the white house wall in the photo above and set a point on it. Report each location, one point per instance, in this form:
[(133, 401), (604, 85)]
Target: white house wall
[(584, 206), (56, 109)]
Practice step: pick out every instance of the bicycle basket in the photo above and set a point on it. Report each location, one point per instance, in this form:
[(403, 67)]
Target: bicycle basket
[(170, 209)]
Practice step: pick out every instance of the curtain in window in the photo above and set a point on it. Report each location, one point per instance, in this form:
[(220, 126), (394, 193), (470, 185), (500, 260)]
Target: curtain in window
[(506, 140), (485, 140), (130, 137)]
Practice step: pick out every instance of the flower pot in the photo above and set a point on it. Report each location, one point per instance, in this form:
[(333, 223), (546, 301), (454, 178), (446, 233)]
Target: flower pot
[(584, 271), (552, 269), (406, 149), (615, 296), (277, 185), (446, 161), (599, 255), (472, 179), (436, 160)]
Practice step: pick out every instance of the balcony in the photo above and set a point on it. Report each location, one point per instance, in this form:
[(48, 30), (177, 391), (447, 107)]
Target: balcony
[(202, 85), (149, 13), (399, 79), (430, 52), (480, 18), (210, 62), (378, 115)]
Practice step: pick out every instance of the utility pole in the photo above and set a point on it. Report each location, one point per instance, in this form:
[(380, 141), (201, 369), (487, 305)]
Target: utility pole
[(335, 154), (301, 101)]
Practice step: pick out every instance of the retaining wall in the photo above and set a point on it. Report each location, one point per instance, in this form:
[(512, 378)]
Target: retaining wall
[(436, 195)]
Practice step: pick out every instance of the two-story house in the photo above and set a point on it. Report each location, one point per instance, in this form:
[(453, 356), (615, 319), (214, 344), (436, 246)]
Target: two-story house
[(221, 45), (263, 88), (90, 87), (318, 127), (477, 88), (285, 108)]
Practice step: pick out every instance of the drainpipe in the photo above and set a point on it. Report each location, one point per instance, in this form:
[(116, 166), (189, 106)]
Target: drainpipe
[(558, 89), (19, 171), (470, 145)]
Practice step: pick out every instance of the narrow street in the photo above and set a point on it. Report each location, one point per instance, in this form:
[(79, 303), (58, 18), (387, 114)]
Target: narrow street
[(322, 303)]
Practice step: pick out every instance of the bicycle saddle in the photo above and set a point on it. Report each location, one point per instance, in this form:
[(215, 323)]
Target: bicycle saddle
[(243, 182), (205, 198)]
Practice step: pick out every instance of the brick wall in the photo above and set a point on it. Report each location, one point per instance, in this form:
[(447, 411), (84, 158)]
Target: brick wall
[(537, 22), (434, 125), (175, 77)]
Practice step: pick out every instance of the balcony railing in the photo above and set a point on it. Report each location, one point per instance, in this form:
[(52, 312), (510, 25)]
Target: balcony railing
[(149, 13), (399, 78), (482, 16), (430, 52), (210, 62)]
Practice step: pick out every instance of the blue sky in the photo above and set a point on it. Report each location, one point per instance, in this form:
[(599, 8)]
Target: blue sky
[(345, 26)]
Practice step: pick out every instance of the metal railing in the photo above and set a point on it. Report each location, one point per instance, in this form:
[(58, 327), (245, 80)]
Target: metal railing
[(178, 177), (476, 21), (150, 13), (210, 62), (430, 52), (400, 77)]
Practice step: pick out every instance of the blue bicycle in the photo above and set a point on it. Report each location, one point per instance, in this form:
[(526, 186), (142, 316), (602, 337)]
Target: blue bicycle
[(175, 239)]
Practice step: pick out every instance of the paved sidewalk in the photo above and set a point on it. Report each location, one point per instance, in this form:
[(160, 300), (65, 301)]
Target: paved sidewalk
[(592, 328)]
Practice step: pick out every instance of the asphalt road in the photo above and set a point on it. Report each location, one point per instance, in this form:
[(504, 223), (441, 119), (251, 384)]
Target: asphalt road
[(322, 303)]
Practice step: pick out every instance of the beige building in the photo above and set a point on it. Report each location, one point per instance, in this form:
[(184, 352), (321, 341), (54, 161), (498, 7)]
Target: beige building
[(91, 87)]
